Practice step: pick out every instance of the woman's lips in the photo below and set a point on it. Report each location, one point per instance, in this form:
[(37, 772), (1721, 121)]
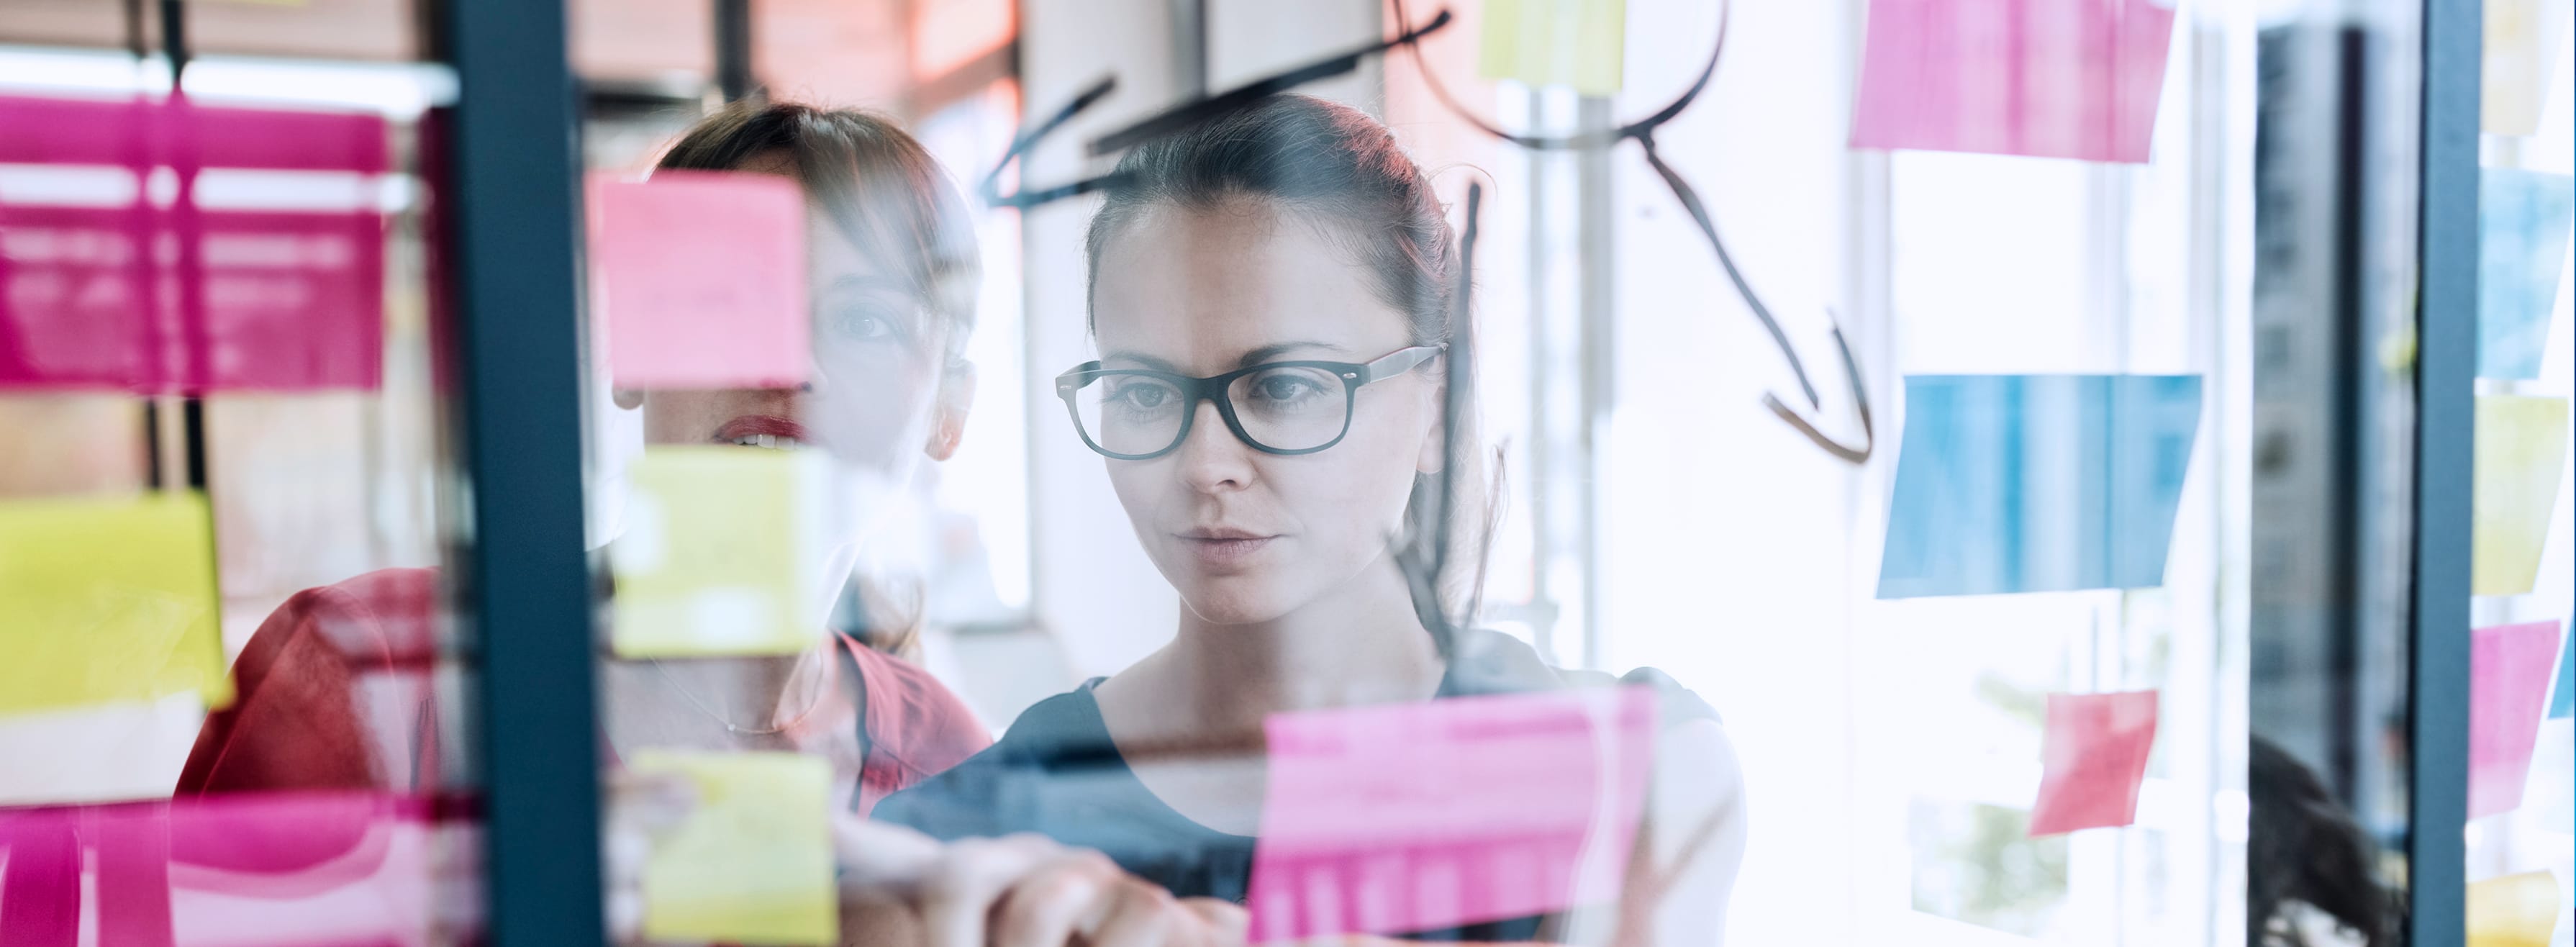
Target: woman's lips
[(1225, 551), (761, 430)]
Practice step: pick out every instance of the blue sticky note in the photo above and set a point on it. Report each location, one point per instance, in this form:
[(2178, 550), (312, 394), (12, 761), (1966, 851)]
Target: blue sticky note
[(2562, 695), (2037, 483), (2523, 219)]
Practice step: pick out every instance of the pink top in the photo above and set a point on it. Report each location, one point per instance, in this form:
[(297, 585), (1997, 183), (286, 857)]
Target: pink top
[(333, 692)]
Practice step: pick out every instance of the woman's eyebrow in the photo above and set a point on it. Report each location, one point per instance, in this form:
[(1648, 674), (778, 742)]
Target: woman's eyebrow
[(1143, 359), (866, 283), (1276, 349)]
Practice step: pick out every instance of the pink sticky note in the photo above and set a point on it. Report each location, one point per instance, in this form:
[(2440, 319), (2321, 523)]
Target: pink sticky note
[(301, 869), (159, 294), (2509, 670), (700, 277), (2044, 78), (1386, 820), (2095, 756)]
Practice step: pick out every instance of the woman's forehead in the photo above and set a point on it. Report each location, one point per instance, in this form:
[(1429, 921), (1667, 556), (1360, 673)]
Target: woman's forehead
[(1204, 286)]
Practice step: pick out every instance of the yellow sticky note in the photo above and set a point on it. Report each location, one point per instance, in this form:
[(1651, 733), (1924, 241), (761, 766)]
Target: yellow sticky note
[(2520, 52), (108, 600), (2522, 445), (1579, 43), (722, 553), (753, 862), (2513, 910)]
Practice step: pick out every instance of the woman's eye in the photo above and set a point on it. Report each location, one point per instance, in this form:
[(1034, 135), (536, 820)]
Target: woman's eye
[(1284, 388), (862, 328), (1142, 397), (863, 323)]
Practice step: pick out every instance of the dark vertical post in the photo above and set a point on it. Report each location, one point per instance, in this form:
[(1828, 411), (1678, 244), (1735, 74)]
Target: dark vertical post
[(2445, 450), (509, 220), (1192, 72), (733, 49), (192, 408)]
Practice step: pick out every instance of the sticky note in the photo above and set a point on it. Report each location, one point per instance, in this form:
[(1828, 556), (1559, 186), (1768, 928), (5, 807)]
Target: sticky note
[(2519, 910), (1578, 43), (753, 862), (108, 600), (2522, 447), (701, 279), (2523, 220), (2037, 483), (2509, 671), (722, 554), (2067, 79), (2094, 756), (299, 868), (2562, 695), (1414, 817), (2521, 49), (216, 286)]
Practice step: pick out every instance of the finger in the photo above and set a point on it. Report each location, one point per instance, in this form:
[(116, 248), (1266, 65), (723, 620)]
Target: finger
[(1227, 922), (1142, 915), (962, 887), (881, 856), (1045, 907)]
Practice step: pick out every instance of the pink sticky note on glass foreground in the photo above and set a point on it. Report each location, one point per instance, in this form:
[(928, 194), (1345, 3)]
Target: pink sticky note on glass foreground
[(2043, 78), (2095, 756), (2509, 671), (157, 294), (300, 869), (1386, 820), (700, 277)]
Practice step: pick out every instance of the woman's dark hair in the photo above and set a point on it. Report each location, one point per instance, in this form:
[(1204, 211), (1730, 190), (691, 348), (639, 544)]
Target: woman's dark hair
[(883, 191), (875, 183), (1333, 167), (2305, 848)]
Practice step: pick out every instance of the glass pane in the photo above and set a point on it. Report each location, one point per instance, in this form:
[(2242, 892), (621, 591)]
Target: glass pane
[(229, 650), (2519, 855)]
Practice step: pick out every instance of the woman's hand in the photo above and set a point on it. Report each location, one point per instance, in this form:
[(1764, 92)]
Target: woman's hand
[(902, 888)]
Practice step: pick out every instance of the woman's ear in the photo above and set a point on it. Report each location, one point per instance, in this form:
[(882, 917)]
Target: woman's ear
[(623, 398), (948, 417), (1435, 447)]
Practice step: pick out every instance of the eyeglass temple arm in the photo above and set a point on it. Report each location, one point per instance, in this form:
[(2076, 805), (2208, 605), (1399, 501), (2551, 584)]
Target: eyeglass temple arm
[(1400, 361), (1072, 378)]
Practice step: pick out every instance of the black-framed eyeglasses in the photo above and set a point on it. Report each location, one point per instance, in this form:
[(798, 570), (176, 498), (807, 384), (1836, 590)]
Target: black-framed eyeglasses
[(1291, 407)]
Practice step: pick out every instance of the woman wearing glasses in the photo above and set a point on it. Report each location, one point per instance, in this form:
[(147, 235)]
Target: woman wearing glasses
[(1271, 294)]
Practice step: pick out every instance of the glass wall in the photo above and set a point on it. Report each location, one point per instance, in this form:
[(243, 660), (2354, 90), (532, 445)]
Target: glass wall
[(230, 631), (2520, 766), (1891, 471)]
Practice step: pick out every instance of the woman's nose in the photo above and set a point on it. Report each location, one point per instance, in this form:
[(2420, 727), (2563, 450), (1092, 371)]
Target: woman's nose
[(1212, 459)]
